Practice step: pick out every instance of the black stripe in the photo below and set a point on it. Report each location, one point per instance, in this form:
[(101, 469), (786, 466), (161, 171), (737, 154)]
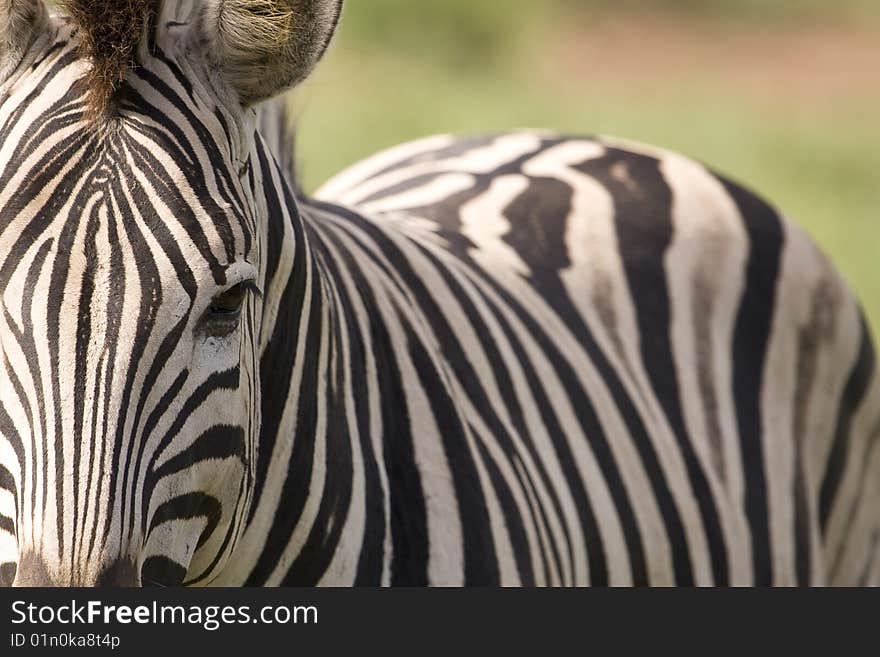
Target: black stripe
[(6, 423), (276, 363), (592, 427), (24, 107), (218, 442), (409, 522), (128, 464), (7, 483), (502, 377), (751, 340), (458, 148), (60, 273), (595, 549), (480, 563), (812, 336), (275, 220), (225, 380), (323, 539), (370, 558), (468, 377), (187, 506), (161, 571), (643, 220), (454, 355), (295, 489), (854, 508), (83, 338), (854, 393)]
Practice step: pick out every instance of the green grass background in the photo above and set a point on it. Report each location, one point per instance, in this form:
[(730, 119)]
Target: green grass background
[(403, 69)]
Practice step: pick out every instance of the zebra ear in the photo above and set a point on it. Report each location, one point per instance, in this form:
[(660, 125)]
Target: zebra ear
[(264, 47), (19, 21)]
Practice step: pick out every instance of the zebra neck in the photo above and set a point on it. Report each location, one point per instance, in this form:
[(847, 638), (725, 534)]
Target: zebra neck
[(312, 389)]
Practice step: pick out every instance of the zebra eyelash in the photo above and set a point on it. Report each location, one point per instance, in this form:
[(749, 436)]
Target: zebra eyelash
[(252, 287)]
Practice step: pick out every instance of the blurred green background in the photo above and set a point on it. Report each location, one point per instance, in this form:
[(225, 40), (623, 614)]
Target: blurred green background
[(782, 95)]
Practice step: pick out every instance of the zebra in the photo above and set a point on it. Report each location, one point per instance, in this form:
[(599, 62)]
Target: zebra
[(516, 359)]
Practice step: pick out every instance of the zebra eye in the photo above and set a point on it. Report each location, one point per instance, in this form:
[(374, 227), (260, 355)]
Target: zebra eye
[(224, 313), (229, 302)]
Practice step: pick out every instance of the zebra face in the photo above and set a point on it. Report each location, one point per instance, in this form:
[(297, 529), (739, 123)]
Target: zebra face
[(131, 265), (129, 314)]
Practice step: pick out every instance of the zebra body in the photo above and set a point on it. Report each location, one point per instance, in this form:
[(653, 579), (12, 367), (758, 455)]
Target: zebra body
[(580, 329), (519, 359)]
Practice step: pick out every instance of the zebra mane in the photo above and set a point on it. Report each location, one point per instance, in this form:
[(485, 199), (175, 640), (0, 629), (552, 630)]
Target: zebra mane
[(109, 34)]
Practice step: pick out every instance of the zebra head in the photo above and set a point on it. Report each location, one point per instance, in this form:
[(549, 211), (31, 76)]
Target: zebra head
[(133, 229)]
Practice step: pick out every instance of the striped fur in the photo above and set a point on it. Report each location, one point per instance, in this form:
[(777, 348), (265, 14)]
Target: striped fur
[(518, 359)]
